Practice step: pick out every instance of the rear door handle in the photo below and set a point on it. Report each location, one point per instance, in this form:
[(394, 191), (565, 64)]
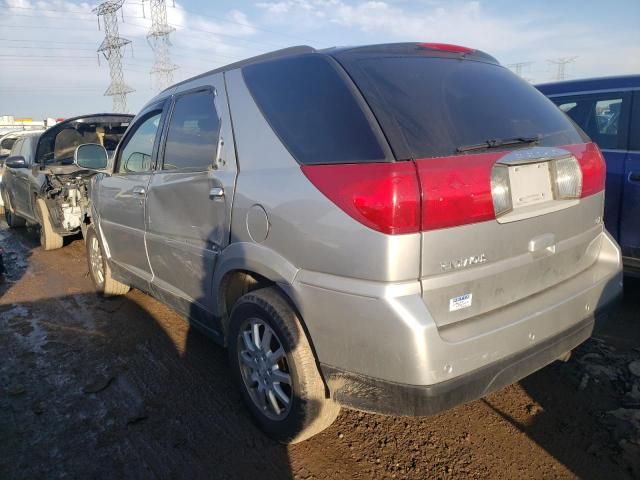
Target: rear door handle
[(139, 191), (216, 192), (634, 177)]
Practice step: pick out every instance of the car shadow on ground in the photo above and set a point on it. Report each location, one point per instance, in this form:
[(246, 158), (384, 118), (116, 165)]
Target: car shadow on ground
[(571, 403), (114, 395), (92, 387)]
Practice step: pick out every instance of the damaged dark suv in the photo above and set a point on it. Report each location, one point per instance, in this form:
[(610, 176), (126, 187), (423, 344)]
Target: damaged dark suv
[(44, 186)]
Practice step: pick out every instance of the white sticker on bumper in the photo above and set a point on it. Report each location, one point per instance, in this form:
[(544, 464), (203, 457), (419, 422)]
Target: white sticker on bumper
[(458, 303)]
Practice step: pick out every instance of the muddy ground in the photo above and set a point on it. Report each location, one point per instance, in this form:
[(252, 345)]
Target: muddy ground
[(122, 388)]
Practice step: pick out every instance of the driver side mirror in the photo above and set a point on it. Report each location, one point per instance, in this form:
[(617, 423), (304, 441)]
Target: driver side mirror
[(16, 162), (91, 156)]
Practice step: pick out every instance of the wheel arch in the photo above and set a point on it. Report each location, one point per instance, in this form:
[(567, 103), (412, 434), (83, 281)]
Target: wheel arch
[(244, 266)]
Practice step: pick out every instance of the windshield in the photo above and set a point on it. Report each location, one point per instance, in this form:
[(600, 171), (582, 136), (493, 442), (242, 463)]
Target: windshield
[(59, 143), (429, 107)]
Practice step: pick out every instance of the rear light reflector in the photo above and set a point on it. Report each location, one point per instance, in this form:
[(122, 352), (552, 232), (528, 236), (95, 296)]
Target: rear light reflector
[(567, 178), (501, 190), (382, 196), (456, 190)]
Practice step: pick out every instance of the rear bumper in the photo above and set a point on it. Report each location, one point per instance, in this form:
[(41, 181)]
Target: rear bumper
[(378, 344), (374, 395)]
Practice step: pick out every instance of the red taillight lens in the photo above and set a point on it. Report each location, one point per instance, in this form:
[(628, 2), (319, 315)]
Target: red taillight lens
[(382, 196), (446, 47), (593, 166), (456, 190)]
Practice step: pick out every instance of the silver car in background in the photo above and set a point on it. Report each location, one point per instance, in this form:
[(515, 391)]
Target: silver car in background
[(392, 228)]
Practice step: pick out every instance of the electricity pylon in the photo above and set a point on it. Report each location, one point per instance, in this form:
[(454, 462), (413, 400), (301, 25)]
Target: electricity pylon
[(112, 48), (158, 38), (562, 62), (517, 69)]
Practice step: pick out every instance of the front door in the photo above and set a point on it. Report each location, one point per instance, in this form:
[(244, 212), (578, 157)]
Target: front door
[(189, 200), (123, 195)]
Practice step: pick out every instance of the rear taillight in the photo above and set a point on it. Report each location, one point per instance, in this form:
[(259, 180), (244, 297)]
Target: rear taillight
[(456, 190), (382, 196), (594, 170)]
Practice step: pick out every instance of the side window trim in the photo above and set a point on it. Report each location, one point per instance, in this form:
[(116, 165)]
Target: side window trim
[(161, 107), (211, 90)]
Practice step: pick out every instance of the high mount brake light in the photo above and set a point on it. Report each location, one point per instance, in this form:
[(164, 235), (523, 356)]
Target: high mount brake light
[(446, 47), (434, 193)]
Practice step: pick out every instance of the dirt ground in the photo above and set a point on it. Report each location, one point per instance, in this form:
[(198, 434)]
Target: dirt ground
[(123, 388)]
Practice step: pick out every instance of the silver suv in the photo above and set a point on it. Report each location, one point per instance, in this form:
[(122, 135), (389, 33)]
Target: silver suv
[(392, 228)]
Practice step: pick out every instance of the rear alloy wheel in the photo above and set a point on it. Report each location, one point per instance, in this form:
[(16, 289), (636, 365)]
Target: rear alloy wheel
[(275, 368), (99, 268), (11, 218), (49, 239), (264, 368)]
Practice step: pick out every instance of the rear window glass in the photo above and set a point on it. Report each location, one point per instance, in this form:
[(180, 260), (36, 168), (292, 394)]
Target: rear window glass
[(313, 111), (429, 107)]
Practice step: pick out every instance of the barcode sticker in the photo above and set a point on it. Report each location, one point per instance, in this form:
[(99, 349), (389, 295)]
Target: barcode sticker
[(458, 303)]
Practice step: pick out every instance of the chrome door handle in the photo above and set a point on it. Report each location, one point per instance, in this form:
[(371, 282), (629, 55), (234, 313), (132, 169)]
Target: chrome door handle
[(139, 191), (216, 192)]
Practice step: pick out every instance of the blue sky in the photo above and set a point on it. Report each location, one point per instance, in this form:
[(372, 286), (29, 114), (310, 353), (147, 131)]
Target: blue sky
[(49, 65)]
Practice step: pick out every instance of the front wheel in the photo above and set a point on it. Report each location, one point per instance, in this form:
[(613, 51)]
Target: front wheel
[(99, 268), (275, 367), (11, 218), (49, 239)]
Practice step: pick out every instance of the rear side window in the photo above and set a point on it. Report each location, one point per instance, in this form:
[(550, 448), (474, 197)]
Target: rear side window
[(428, 107), (600, 115), (193, 134), (312, 109)]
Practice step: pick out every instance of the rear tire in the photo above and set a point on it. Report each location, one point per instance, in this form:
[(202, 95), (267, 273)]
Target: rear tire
[(49, 239), (11, 218), (282, 367), (99, 267)]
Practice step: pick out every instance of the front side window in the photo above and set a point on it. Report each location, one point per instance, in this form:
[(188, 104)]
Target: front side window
[(135, 156), (599, 115), (194, 131), (17, 148)]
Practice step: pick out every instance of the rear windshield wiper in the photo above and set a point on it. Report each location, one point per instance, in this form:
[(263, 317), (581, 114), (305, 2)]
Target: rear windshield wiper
[(499, 142)]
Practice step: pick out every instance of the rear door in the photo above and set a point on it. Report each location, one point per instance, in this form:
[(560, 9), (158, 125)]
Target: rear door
[(604, 116), (190, 197), (123, 195), (630, 216)]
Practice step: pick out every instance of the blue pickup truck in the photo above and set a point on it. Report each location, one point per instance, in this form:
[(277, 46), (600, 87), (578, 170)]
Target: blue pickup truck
[(608, 110)]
